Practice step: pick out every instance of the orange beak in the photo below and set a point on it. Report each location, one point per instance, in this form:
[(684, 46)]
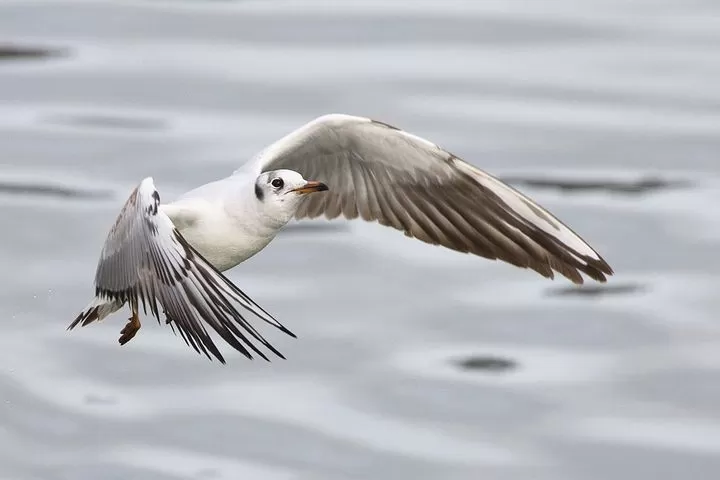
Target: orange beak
[(310, 187)]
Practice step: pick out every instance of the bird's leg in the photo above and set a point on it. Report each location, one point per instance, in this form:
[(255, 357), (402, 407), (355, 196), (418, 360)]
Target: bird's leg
[(131, 328)]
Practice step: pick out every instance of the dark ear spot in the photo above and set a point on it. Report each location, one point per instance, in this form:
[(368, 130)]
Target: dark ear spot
[(259, 192)]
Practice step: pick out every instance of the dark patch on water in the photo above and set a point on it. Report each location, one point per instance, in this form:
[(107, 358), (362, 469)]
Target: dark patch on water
[(109, 122), (487, 363), (52, 191), (627, 187), (597, 290), (24, 52)]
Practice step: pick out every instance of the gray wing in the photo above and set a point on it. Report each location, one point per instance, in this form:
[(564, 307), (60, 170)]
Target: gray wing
[(380, 173), (146, 260)]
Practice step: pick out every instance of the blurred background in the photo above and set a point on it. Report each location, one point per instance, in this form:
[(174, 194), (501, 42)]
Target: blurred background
[(412, 362)]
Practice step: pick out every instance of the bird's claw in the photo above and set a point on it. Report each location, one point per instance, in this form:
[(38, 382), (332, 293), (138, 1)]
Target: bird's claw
[(130, 329)]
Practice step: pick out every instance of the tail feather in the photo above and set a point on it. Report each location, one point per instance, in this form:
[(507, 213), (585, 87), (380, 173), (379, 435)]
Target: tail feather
[(98, 309)]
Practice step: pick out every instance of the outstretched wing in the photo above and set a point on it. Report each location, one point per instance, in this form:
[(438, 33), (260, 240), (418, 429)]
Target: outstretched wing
[(145, 260), (380, 173)]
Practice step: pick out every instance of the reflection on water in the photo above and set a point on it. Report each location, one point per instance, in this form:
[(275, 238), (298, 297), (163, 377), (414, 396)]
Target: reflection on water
[(599, 290), (641, 186), (486, 363), (107, 121), (411, 361), (37, 189), (9, 52)]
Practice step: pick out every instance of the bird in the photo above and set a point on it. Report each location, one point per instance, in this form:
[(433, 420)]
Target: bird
[(169, 258)]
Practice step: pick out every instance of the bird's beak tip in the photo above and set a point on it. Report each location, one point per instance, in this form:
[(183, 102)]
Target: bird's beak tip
[(310, 187)]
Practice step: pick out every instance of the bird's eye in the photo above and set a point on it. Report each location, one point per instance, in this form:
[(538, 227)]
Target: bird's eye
[(278, 183)]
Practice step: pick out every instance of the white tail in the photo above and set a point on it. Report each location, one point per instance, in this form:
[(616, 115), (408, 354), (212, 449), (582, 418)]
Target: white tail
[(98, 309)]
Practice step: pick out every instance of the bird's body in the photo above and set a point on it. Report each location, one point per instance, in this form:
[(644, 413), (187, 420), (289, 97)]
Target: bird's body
[(213, 219), (172, 255)]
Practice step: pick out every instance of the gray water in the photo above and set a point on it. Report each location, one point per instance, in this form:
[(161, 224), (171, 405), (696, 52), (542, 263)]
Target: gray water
[(412, 362)]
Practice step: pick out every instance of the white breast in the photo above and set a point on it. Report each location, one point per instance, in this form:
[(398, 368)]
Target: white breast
[(221, 239)]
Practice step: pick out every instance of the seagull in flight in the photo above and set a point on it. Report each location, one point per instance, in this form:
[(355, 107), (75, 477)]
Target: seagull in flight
[(168, 258)]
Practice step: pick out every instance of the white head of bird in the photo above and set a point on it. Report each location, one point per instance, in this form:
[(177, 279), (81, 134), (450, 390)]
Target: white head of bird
[(279, 193)]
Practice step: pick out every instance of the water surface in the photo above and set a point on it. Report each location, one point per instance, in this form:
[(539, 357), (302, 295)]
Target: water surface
[(411, 362)]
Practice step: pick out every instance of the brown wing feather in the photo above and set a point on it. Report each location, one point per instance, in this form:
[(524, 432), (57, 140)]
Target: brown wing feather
[(380, 173)]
